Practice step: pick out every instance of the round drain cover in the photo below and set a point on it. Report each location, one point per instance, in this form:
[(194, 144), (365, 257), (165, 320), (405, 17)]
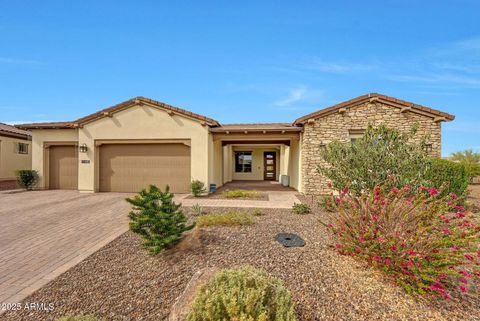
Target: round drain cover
[(290, 240)]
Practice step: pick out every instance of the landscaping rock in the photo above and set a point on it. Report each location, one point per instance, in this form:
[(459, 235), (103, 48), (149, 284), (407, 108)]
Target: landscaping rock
[(182, 304)]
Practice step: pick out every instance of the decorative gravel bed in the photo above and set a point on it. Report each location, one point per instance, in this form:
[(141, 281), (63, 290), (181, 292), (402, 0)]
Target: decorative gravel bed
[(121, 282), (218, 195)]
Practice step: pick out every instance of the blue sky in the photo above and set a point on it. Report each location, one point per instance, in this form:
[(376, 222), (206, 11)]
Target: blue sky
[(240, 61)]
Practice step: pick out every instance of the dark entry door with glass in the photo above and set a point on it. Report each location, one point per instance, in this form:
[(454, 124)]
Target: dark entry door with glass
[(270, 166)]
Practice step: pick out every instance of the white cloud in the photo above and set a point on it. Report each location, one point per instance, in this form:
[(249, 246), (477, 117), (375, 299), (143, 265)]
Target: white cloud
[(438, 78), (317, 64), (14, 61), (295, 95)]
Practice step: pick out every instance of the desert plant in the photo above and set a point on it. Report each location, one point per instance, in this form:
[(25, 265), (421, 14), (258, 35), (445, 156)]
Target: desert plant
[(453, 176), (258, 212), (232, 218), (327, 202), (157, 219), (197, 210), (26, 178), (381, 153), (198, 188), (240, 193), (82, 317), (424, 241), (301, 208), (242, 294)]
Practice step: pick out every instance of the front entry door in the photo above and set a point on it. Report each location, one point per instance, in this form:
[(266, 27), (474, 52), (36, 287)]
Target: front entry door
[(269, 173)]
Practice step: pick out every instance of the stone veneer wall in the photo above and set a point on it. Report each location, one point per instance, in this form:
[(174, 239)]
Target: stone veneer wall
[(338, 126)]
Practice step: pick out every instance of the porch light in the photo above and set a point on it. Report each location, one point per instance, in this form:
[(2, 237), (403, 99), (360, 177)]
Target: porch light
[(322, 145), (83, 148)]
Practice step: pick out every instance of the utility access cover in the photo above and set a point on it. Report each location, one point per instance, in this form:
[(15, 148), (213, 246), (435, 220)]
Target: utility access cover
[(290, 240)]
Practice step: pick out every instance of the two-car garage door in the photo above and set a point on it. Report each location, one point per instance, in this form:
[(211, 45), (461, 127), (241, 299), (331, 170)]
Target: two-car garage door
[(132, 167)]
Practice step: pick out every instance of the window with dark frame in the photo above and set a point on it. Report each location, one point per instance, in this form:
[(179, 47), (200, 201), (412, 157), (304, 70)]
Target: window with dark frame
[(243, 162), (22, 148), (428, 148)]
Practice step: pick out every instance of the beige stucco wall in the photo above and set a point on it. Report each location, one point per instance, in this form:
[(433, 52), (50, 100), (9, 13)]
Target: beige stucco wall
[(10, 159), (216, 162), (143, 122), (337, 126), (294, 166), (40, 155)]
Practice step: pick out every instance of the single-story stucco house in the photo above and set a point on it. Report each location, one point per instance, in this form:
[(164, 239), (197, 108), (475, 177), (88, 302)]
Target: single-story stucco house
[(142, 141), (15, 154)]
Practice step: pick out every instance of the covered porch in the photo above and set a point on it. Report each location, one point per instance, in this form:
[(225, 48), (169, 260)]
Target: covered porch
[(259, 156)]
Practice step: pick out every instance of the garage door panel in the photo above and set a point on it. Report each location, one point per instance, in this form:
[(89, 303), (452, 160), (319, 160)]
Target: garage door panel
[(63, 167), (132, 167)]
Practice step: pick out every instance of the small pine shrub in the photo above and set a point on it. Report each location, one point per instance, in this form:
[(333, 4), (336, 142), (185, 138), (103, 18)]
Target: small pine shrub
[(327, 202), (197, 210), (86, 317), (232, 218), (242, 294), (157, 219), (240, 193), (198, 188), (425, 242), (300, 208), (27, 178), (258, 212)]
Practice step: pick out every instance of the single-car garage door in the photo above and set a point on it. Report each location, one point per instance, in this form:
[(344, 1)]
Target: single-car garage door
[(63, 167), (132, 167)]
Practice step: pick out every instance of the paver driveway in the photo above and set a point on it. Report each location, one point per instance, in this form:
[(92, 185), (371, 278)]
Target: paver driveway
[(44, 233)]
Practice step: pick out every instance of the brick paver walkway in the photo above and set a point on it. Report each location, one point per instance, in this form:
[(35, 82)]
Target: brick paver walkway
[(44, 233)]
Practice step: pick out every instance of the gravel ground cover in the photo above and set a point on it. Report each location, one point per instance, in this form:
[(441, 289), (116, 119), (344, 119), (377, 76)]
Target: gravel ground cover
[(121, 282)]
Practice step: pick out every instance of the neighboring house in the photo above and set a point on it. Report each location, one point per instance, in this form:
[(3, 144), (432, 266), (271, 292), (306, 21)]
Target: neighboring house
[(141, 141), (15, 154)]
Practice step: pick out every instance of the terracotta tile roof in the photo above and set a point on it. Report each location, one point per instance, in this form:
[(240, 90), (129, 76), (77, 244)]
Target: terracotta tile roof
[(255, 127), (139, 100), (116, 108), (381, 98), (8, 130), (48, 125)]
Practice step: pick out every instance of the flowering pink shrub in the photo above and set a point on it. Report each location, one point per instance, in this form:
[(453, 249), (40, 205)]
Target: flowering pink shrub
[(426, 243)]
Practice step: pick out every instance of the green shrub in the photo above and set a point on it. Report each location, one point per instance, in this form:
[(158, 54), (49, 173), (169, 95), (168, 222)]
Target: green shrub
[(258, 212), (425, 242), (470, 159), (87, 317), (157, 219), (381, 156), (27, 178), (454, 175), (327, 202), (300, 208), (197, 210), (240, 193), (198, 188), (242, 294), (231, 218)]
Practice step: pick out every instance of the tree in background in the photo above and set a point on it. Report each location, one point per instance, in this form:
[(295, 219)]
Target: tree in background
[(470, 159)]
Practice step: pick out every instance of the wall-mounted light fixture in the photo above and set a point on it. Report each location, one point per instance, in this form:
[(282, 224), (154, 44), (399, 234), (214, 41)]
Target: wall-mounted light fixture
[(322, 145), (83, 148)]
